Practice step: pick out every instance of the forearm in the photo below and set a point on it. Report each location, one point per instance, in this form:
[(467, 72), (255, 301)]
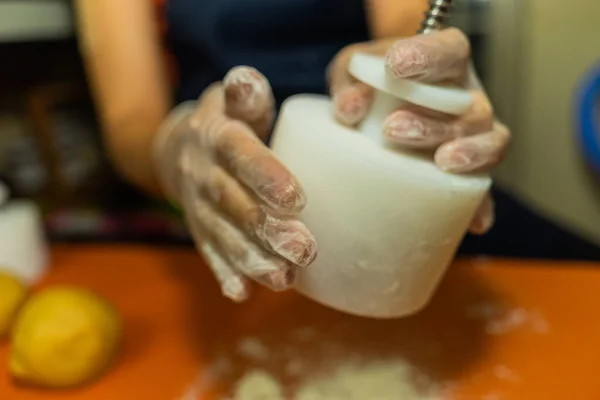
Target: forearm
[(129, 141), (121, 49)]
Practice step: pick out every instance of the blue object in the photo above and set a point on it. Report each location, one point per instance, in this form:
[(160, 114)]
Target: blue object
[(587, 111)]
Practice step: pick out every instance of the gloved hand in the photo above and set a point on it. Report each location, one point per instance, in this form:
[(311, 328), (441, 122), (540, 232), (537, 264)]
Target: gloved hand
[(239, 202), (471, 142)]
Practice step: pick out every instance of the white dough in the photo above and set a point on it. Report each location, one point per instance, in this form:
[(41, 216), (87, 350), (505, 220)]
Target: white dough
[(387, 223)]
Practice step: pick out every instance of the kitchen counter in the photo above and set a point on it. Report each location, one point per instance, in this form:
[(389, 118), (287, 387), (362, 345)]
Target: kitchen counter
[(516, 330)]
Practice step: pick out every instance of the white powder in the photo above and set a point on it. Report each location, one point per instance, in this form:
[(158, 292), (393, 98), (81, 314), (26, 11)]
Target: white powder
[(483, 311), (504, 373), (389, 380), (307, 364), (258, 385), (499, 319), (253, 349), (295, 367), (491, 396), (539, 323), (304, 334), (511, 320), (206, 379)]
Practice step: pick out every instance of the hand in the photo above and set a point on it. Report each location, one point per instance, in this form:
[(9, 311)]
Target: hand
[(471, 142), (239, 202)]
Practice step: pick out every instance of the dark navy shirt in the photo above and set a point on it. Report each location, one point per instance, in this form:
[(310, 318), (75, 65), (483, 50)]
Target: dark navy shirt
[(292, 42)]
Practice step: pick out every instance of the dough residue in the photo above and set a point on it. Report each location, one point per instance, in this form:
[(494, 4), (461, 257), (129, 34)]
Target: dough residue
[(258, 385), (383, 380), (500, 319)]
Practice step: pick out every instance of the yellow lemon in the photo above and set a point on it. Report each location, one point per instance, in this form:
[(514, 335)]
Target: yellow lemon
[(12, 295), (64, 336)]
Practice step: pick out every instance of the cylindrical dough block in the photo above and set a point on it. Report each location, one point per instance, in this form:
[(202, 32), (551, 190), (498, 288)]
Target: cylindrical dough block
[(23, 250), (387, 223)]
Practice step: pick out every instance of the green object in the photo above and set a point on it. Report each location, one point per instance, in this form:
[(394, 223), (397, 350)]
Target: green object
[(171, 208)]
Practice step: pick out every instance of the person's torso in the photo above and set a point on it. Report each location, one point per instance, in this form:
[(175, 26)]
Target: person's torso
[(290, 41)]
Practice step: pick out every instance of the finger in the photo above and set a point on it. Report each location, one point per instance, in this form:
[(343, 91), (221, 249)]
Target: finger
[(249, 98), (239, 252), (250, 161), (435, 57), (288, 238), (474, 153), (417, 127), (484, 217), (352, 103), (351, 99), (233, 284)]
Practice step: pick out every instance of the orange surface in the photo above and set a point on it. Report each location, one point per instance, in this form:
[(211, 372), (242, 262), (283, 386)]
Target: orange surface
[(546, 347)]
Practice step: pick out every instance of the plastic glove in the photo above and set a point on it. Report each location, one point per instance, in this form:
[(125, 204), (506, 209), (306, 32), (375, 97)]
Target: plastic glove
[(471, 142), (239, 202)]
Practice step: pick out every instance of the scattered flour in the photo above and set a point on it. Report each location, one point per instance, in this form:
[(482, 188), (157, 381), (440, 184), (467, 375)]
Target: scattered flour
[(377, 381), (390, 380), (304, 334), (295, 367), (345, 376), (206, 379), (539, 323), (491, 396), (503, 373), (258, 385), (253, 348), (511, 320), (499, 319)]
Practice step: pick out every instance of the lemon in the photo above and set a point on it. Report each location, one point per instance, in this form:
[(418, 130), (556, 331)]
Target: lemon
[(63, 336), (12, 296)]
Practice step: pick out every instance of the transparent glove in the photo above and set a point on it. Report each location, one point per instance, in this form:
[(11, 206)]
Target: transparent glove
[(239, 202), (471, 142)]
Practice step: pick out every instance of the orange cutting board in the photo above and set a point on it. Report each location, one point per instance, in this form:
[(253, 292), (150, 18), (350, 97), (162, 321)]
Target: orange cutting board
[(497, 329)]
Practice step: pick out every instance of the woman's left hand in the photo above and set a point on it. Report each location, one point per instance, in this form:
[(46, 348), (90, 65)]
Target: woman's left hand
[(474, 141)]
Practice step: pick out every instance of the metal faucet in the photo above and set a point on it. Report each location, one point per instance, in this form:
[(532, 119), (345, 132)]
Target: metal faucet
[(439, 10)]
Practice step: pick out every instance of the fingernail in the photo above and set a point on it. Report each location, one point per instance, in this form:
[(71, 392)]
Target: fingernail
[(406, 59), (402, 125), (246, 92), (487, 221), (482, 224), (463, 159), (276, 188), (290, 239), (351, 105), (285, 198), (279, 281), (235, 289), (300, 252)]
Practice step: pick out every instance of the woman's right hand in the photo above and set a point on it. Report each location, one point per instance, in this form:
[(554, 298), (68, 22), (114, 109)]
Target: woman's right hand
[(240, 203)]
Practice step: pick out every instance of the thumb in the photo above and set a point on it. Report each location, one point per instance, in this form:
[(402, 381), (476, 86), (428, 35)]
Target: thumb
[(249, 98)]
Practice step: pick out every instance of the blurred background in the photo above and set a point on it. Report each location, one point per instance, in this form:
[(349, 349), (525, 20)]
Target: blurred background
[(532, 55), (50, 146)]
